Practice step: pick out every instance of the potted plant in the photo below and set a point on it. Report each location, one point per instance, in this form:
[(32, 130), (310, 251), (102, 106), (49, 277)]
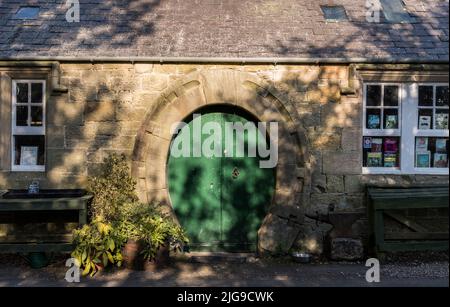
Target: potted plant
[(150, 235), (122, 229)]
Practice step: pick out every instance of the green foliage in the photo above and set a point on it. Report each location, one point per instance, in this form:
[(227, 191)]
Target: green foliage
[(112, 188), (98, 245), (117, 218), (143, 223)]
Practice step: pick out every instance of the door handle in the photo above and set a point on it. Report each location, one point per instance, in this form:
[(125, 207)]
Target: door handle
[(235, 173)]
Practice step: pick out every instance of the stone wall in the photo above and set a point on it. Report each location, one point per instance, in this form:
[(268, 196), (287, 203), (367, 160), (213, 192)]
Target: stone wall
[(106, 105)]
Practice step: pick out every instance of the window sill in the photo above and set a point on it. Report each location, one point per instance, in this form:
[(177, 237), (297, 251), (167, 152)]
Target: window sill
[(37, 168), (381, 171), (431, 171), (396, 171)]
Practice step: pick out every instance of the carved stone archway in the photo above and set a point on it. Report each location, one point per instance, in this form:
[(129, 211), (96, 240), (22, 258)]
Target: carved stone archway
[(240, 89)]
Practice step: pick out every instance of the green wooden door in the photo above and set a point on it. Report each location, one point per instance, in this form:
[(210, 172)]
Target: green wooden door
[(220, 201)]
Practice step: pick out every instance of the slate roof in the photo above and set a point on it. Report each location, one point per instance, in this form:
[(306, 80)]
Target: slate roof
[(222, 28)]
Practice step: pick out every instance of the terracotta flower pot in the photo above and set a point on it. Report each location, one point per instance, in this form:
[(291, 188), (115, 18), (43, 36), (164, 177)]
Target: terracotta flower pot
[(132, 255), (162, 257), (161, 260)]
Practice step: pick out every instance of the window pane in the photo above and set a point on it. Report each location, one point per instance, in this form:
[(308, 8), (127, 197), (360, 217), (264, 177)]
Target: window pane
[(425, 119), (22, 92), (36, 92), (425, 96), (395, 11), (334, 13), (441, 121), (21, 115), (390, 119), (381, 151), (29, 150), (373, 95), (36, 116), (442, 96), (373, 120), (431, 152), (391, 96)]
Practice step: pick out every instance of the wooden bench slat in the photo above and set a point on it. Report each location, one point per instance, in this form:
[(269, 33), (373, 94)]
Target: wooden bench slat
[(49, 238), (409, 192), (38, 247), (404, 187), (43, 204), (405, 221), (415, 193), (410, 203), (424, 195), (416, 236), (414, 246)]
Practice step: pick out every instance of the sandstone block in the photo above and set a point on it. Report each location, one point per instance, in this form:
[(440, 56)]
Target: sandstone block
[(99, 111), (55, 136), (353, 184), (351, 139), (335, 184), (154, 82), (342, 163), (276, 235), (346, 249), (141, 68)]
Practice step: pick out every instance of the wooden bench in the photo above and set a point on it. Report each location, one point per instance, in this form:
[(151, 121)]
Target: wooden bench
[(50, 242), (389, 201)]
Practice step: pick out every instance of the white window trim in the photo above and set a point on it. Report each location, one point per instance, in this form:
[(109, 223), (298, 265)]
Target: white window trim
[(408, 114), (27, 130)]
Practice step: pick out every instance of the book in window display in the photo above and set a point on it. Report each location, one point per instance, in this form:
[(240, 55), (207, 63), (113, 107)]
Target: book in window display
[(373, 121), (440, 160), (390, 145), (425, 122), (423, 159), (441, 121), (441, 145), (422, 144), (377, 144), (367, 143), (374, 159), (391, 122), (390, 160)]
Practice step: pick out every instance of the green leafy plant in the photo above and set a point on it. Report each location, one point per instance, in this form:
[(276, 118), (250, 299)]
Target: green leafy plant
[(112, 188), (118, 217), (98, 245), (145, 224)]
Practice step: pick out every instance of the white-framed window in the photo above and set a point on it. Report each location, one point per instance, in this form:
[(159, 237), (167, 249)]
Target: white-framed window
[(405, 128), (28, 125)]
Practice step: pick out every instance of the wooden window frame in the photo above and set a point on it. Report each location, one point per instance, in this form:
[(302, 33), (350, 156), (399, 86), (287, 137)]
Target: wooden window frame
[(15, 130), (408, 129)]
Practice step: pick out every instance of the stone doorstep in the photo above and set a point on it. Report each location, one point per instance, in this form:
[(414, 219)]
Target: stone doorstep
[(216, 257)]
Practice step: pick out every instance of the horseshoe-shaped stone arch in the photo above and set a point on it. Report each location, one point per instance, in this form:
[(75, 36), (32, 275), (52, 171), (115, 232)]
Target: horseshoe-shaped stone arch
[(264, 102)]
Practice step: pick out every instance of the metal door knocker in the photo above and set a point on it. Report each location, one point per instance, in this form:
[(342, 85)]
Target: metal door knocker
[(235, 173)]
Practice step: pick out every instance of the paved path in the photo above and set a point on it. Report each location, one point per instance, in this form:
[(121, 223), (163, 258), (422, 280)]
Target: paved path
[(256, 274)]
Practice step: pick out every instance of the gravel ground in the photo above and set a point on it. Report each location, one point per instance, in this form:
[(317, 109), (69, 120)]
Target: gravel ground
[(433, 270), (398, 271)]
